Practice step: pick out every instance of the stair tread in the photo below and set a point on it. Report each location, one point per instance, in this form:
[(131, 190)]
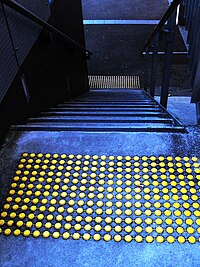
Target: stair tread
[(106, 110), (101, 124), (100, 118)]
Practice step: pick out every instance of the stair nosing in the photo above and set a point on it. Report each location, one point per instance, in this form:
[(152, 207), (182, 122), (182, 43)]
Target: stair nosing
[(92, 129), (140, 120), (147, 114)]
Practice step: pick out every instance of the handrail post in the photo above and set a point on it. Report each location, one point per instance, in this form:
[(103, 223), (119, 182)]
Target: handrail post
[(170, 32), (198, 112), (146, 55), (154, 66)]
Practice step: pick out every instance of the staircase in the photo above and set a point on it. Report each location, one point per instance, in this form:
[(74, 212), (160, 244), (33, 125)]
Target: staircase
[(106, 110)]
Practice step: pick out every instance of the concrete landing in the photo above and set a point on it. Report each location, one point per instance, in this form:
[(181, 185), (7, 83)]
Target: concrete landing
[(182, 108), (127, 9), (23, 252)]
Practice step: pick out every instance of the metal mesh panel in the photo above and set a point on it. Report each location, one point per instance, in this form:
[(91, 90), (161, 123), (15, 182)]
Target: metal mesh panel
[(24, 31), (8, 65), (24, 34)]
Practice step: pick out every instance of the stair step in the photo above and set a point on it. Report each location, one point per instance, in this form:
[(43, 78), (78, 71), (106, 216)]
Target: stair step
[(111, 99), (80, 109), (115, 93), (99, 128), (126, 102), (104, 113), (107, 110), (99, 124), (101, 119), (114, 105)]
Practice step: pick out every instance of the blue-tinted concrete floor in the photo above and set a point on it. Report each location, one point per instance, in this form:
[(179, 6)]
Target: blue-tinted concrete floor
[(117, 51), (23, 252), (126, 9)]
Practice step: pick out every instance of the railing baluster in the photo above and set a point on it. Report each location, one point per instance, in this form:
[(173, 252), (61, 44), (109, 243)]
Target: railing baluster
[(154, 66), (168, 59), (192, 15), (146, 69), (198, 112), (196, 83), (189, 13), (192, 22), (195, 49), (185, 4), (195, 37)]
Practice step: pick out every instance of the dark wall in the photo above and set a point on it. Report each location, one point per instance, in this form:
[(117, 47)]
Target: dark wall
[(54, 70), (13, 108), (67, 17)]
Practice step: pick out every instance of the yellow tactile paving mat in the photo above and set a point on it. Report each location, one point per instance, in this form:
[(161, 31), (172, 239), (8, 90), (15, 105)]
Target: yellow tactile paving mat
[(104, 197)]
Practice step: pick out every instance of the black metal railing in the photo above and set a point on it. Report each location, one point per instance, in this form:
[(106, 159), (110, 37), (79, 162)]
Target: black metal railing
[(167, 26), (162, 22), (192, 15), (28, 14), (153, 44)]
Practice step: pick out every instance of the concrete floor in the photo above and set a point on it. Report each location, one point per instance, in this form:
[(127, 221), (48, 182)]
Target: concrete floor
[(30, 252), (53, 253), (127, 9), (23, 252), (182, 108), (117, 51)]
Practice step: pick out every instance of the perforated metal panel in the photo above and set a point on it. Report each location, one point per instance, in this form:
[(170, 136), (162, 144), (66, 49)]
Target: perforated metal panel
[(24, 31), (24, 34), (8, 64), (38, 7)]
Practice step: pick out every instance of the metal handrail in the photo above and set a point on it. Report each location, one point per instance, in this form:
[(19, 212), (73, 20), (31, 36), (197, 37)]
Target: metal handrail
[(25, 12), (162, 22)]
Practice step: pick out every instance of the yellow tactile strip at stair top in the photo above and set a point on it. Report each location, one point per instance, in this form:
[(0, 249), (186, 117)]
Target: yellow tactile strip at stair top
[(104, 197)]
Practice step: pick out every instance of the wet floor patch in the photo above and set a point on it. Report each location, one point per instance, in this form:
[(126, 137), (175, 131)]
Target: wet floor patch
[(121, 198)]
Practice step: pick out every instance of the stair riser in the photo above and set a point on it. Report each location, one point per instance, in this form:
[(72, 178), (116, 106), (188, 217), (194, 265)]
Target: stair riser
[(107, 106), (109, 114), (84, 124), (109, 99), (105, 109), (127, 102), (112, 100), (91, 129), (83, 120)]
